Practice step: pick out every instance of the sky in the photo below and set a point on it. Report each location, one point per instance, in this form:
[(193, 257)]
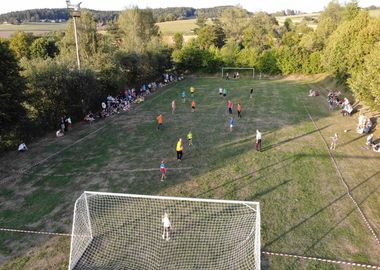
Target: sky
[(251, 5)]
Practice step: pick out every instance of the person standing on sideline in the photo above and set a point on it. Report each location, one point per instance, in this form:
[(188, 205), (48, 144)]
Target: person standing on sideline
[(167, 227), (173, 106), (251, 94), (183, 95), (258, 140), (230, 106), (179, 149), (193, 106), (334, 142), (232, 124), (163, 170), (239, 110), (160, 121)]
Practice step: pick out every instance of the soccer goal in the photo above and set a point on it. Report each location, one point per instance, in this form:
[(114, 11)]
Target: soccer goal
[(245, 70), (123, 231)]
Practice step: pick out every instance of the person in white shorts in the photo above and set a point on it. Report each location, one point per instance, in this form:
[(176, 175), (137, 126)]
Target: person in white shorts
[(167, 227)]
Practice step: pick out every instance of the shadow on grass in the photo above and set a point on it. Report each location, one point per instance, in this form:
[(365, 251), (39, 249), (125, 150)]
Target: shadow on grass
[(292, 139), (321, 210)]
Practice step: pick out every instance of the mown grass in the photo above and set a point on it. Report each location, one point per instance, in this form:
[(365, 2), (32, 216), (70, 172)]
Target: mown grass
[(305, 209)]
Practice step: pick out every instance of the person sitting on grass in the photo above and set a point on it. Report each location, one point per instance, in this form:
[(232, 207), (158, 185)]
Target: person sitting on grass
[(89, 117), (59, 133), (22, 148), (370, 140), (220, 91), (376, 148)]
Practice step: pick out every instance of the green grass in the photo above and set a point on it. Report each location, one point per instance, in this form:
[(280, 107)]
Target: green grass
[(33, 27), (304, 207), (186, 27)]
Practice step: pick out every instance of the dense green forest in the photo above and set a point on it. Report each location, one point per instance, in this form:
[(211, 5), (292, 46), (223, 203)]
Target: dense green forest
[(159, 14), (39, 81)]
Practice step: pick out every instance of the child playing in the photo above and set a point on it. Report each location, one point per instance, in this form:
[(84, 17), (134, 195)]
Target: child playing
[(183, 95), (334, 142), (167, 227), (220, 91), (239, 110), (232, 123), (190, 138), (230, 106), (192, 91), (160, 121), (173, 106), (163, 170), (193, 106)]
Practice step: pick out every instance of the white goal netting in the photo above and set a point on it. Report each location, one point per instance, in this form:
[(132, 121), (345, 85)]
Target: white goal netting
[(121, 231)]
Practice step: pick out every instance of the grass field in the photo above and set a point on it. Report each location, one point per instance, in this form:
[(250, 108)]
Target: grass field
[(305, 208), (6, 30)]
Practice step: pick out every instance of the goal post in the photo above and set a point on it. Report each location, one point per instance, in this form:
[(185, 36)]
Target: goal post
[(226, 69), (125, 231)]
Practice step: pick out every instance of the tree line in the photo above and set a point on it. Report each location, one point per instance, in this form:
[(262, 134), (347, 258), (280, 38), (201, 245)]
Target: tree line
[(39, 81), (345, 44), (57, 14)]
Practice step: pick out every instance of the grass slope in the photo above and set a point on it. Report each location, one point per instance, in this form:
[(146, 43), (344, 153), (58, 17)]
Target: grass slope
[(305, 209)]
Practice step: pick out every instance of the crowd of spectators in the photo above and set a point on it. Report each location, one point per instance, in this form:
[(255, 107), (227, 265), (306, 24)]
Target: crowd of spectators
[(122, 102)]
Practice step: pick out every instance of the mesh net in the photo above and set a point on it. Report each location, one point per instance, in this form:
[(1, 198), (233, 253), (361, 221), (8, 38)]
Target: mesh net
[(114, 231)]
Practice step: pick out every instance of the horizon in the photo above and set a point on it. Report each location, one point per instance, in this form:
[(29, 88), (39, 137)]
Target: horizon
[(269, 6)]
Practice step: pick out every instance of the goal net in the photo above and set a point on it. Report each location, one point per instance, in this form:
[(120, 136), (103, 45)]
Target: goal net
[(122, 231), (241, 71)]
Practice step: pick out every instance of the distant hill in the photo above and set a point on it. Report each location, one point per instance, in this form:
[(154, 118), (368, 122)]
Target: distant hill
[(61, 14)]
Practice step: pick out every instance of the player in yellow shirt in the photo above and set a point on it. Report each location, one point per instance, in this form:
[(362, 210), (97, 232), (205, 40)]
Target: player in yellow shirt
[(179, 149), (190, 138)]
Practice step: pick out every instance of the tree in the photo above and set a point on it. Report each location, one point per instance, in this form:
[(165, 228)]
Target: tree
[(137, 29), (44, 47), (351, 10), (261, 31), (234, 21), (267, 62), (178, 41), (20, 43), (365, 83), (201, 19), (12, 87), (211, 35)]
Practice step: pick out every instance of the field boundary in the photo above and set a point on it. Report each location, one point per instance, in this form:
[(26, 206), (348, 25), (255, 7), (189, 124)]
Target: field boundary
[(362, 215), (264, 252)]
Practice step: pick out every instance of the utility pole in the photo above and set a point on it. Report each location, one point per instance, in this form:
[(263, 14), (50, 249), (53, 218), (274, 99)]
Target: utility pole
[(74, 11)]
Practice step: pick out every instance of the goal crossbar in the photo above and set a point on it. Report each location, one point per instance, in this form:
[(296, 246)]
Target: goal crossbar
[(238, 68)]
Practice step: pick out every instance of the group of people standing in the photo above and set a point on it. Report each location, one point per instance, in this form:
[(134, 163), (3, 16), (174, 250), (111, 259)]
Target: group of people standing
[(179, 147)]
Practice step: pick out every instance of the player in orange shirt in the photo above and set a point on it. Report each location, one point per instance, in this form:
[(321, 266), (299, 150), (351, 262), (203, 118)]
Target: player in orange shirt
[(193, 106), (160, 121), (239, 110)]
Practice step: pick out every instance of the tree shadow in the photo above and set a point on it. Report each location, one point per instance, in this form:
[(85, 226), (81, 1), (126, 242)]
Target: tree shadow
[(266, 148), (321, 210)]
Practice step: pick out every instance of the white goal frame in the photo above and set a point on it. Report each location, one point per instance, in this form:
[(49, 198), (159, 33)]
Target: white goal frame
[(238, 68), (82, 233)]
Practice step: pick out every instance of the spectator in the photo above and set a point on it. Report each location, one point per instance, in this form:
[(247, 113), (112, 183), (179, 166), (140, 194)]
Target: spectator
[(22, 148)]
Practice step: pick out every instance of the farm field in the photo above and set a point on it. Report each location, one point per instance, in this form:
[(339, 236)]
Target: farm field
[(6, 30), (305, 206)]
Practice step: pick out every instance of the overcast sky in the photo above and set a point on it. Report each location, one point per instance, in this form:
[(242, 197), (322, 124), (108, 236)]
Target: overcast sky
[(251, 5)]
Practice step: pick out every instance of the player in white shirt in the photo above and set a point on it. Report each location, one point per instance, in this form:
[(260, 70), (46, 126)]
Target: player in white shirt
[(167, 227), (258, 140)]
